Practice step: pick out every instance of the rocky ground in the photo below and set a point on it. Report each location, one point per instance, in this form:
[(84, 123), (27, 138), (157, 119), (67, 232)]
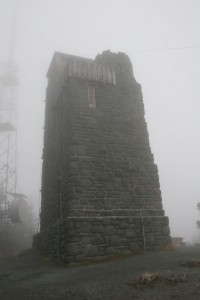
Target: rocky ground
[(155, 276)]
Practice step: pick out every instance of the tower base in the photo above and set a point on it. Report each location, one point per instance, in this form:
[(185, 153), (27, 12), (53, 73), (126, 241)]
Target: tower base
[(77, 239)]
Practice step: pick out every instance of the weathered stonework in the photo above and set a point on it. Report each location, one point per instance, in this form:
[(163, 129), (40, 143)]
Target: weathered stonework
[(100, 186)]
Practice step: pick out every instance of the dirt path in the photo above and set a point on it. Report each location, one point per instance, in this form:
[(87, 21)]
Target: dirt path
[(32, 277)]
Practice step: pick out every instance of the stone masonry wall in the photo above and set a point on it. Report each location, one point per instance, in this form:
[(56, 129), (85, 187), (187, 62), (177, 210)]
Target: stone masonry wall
[(77, 239)]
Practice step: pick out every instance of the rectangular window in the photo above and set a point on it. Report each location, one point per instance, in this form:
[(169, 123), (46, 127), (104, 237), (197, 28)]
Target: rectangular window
[(91, 97)]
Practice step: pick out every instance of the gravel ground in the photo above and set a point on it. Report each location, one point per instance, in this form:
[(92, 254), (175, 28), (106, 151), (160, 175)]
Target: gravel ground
[(33, 277)]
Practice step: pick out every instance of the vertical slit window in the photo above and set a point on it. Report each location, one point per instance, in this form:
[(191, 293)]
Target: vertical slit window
[(91, 97)]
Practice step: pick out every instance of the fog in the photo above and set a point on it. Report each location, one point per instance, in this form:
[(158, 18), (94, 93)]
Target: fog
[(162, 39)]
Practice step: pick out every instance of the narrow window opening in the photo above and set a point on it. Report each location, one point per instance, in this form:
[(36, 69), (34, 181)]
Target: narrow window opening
[(91, 97)]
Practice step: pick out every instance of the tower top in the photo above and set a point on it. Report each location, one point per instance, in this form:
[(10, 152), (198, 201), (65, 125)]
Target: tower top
[(108, 67)]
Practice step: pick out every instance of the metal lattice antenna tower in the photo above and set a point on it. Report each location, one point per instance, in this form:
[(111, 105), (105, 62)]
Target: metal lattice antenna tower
[(8, 136)]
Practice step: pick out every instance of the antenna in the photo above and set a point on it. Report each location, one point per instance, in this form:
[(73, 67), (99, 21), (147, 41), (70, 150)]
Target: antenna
[(8, 134)]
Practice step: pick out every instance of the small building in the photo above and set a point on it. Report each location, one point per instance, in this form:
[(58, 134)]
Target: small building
[(100, 186), (178, 242)]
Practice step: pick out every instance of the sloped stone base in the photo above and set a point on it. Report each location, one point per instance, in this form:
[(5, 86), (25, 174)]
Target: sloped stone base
[(78, 239)]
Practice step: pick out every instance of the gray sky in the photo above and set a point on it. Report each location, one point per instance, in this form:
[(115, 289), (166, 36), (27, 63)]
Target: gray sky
[(169, 79)]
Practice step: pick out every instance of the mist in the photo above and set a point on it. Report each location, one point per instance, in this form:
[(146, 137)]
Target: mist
[(162, 41)]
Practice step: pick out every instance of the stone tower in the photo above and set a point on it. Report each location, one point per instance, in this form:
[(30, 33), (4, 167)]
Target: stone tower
[(100, 186)]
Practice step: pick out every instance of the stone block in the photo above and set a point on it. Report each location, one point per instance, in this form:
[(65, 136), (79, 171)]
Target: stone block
[(107, 239), (71, 249), (79, 258), (106, 221), (98, 204), (110, 251), (91, 251), (130, 233), (97, 239), (124, 224), (100, 193), (139, 190), (120, 231), (86, 227), (131, 220), (150, 238), (85, 172), (70, 259), (86, 240), (132, 226), (133, 246), (101, 251), (114, 240), (110, 230), (81, 151), (165, 230), (126, 198), (84, 201), (99, 228), (85, 183)]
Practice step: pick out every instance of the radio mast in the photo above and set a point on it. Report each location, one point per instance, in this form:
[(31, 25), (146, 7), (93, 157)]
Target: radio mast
[(8, 135)]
